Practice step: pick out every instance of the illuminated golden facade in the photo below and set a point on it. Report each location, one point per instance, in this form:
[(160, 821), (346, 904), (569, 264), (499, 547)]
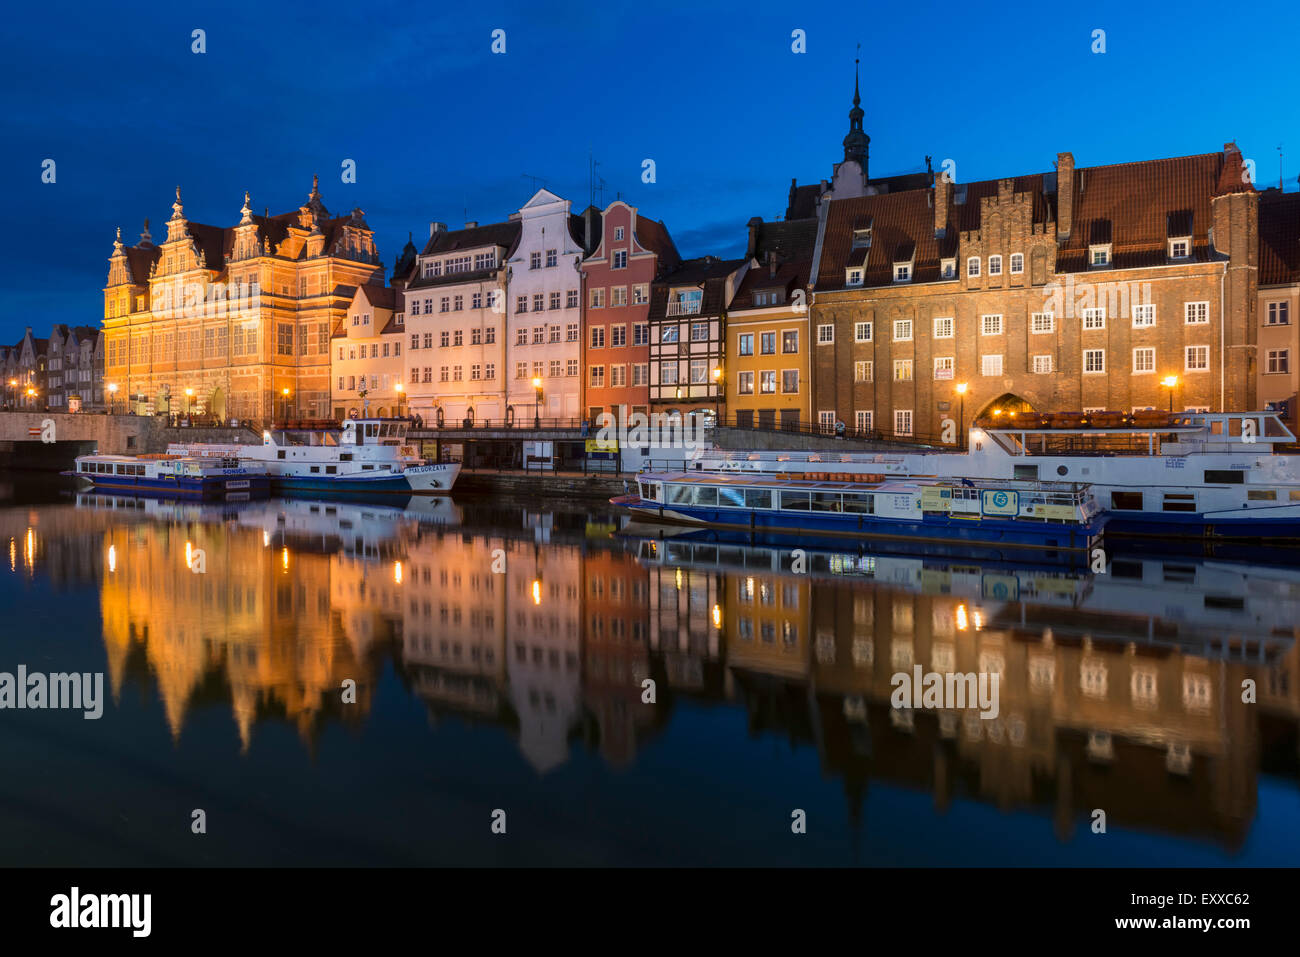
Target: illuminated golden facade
[(234, 322)]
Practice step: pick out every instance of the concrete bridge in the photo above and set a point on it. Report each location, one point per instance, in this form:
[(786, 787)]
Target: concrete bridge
[(51, 440)]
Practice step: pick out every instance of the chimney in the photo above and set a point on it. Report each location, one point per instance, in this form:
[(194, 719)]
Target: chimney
[(1064, 195), (942, 196), (435, 228), (472, 224), (752, 249)]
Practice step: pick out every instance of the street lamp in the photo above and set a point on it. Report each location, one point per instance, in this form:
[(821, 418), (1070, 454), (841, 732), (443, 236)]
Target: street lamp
[(961, 418), (537, 402), (189, 394), (1170, 382), (285, 392), (717, 395), (112, 396), (401, 389)]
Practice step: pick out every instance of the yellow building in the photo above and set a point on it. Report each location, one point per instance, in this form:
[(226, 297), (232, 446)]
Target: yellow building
[(223, 320), (768, 347)]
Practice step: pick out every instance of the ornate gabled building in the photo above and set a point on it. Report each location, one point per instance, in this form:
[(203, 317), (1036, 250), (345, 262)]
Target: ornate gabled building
[(234, 321)]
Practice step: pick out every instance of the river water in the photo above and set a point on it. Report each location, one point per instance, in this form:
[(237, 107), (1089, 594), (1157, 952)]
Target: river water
[(362, 684)]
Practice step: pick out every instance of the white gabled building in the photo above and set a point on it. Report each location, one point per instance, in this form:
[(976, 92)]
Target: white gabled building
[(455, 310), (544, 303)]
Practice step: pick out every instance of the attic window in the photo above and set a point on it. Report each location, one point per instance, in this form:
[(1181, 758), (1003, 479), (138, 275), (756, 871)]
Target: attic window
[(1180, 248), (862, 237), (948, 268), (1099, 255), (853, 277), (902, 272), (772, 297)]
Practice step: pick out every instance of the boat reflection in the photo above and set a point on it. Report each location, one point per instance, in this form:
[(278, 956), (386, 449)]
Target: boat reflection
[(1121, 690)]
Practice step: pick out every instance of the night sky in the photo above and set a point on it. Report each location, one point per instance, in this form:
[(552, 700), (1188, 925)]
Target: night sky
[(442, 129)]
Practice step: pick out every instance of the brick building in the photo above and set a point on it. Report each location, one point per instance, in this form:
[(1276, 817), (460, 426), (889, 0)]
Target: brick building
[(1078, 289)]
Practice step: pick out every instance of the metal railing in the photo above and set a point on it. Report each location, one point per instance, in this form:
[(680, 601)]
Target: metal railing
[(829, 432), (684, 307)]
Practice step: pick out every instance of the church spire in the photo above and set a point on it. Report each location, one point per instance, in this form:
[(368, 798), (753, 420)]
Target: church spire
[(857, 141)]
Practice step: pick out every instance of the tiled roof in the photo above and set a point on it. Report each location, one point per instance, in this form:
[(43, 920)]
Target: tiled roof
[(707, 272), (803, 200), (475, 237), (896, 219), (1279, 238), (140, 259), (654, 236), (790, 244)]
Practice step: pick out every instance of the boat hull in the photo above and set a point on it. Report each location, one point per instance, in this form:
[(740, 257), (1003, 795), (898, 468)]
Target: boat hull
[(209, 489), (1069, 542)]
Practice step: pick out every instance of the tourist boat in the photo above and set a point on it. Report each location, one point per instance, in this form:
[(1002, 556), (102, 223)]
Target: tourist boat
[(208, 478), (360, 456), (1059, 519), (1203, 475)]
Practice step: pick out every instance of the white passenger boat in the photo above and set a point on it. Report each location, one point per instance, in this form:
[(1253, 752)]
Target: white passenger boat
[(361, 456), (207, 478), (1213, 475)]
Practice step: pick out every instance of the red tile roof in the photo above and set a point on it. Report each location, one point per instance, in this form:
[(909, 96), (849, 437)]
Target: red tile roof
[(1279, 238)]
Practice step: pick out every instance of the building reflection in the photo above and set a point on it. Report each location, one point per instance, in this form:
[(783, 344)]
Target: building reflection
[(1123, 691)]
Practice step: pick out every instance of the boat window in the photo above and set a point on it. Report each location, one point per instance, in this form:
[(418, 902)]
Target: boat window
[(280, 454), (799, 501), (1126, 501), (860, 502), (1261, 494), (1178, 502), (1224, 476), (1216, 427), (758, 498), (1295, 495), (679, 494), (826, 502), (345, 456), (731, 497), (704, 495), (331, 470), (1026, 472), (315, 468)]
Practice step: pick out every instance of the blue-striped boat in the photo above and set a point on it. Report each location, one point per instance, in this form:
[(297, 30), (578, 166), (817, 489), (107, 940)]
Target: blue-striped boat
[(208, 479)]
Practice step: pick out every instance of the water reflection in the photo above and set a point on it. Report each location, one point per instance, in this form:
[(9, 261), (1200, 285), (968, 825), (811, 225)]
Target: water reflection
[(1121, 691)]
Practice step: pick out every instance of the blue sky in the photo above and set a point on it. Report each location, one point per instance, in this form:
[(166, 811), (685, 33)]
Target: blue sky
[(443, 129)]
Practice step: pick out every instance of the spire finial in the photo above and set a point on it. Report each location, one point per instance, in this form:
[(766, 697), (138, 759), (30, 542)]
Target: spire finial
[(856, 60), (177, 208)]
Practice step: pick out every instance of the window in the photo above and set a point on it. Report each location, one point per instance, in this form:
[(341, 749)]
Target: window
[(745, 384), (903, 330), (902, 272), (620, 259), (1144, 360), (444, 304), (668, 374), (1279, 314), (861, 332), (944, 367), (790, 381), (641, 375), (521, 370), (539, 302), (669, 334), (554, 301), (640, 294), (902, 421), (995, 265), (1099, 255), (476, 300), (444, 338), (767, 343), (539, 335), (973, 266), (459, 338), (617, 374), (943, 328), (618, 233), (475, 371), (826, 334), (1094, 318), (1144, 315), (990, 365), (490, 370), (790, 342), (535, 260), (862, 420), (1278, 361), (699, 332), (991, 325), (1017, 263), (571, 299), (700, 371), (571, 333), (1180, 248), (902, 370), (617, 335), (862, 371), (745, 344), (552, 257), (767, 383), (521, 304), (854, 277), (1196, 313), (826, 420), (1197, 358), (598, 298), (597, 337), (948, 269), (1042, 322), (597, 379), (1094, 360), (571, 367), (617, 296), (1042, 365)]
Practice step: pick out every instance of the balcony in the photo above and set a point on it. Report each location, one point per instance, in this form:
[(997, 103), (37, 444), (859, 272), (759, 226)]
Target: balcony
[(684, 307)]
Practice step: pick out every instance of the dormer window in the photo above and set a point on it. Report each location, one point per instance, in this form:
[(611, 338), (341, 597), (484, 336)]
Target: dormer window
[(1180, 248), (948, 268), (1099, 255), (862, 233), (854, 277), (902, 272)]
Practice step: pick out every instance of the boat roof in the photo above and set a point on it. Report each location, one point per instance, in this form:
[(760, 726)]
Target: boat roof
[(885, 485)]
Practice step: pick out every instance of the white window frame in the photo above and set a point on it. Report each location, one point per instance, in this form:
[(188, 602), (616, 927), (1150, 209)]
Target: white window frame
[(1197, 307), (1034, 318), (1144, 315), (1094, 318), (1185, 241), (1099, 256), (826, 420), (859, 327), (1278, 307), (1275, 357), (853, 277), (862, 420), (904, 366), (973, 267), (1144, 353), (945, 367), (948, 269), (1187, 358), (1017, 263), (944, 332), (864, 370), (991, 330), (902, 272), (1047, 360), (825, 333), (1094, 352), (902, 330), (903, 423), (995, 265), (986, 369)]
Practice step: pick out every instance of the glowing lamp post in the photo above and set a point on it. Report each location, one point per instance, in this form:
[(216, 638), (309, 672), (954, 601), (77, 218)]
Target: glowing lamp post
[(537, 403), (961, 416), (1170, 382)]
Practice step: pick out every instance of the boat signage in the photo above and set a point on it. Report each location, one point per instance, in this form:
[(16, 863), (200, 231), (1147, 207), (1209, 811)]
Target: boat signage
[(1001, 587), (936, 499), (1000, 502)]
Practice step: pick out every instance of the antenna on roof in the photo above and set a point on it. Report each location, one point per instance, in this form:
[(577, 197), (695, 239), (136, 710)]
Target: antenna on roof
[(1281, 183), (591, 178), (534, 180)]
